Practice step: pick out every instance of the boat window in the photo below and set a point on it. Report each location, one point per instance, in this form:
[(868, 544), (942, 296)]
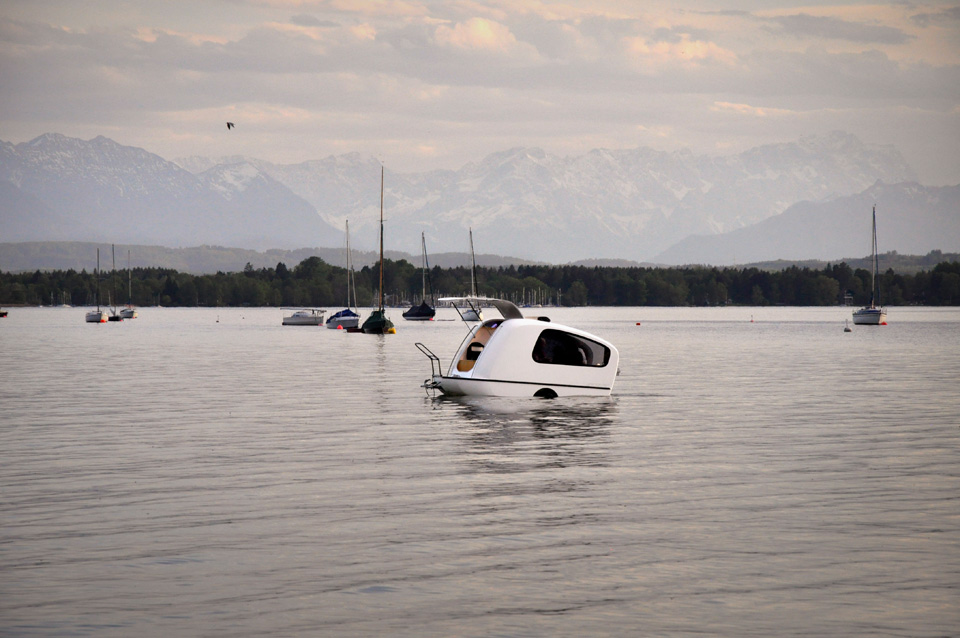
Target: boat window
[(473, 351), (563, 348)]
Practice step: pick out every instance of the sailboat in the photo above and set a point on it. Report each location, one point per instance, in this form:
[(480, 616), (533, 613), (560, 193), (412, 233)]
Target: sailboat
[(129, 312), (113, 282), (98, 315), (472, 313), (347, 319), (378, 323), (423, 312), (874, 314)]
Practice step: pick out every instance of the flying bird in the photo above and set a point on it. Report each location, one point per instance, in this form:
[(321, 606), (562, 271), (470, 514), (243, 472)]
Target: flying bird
[(229, 125)]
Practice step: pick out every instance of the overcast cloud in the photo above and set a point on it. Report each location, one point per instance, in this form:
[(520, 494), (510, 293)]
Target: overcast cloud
[(424, 84)]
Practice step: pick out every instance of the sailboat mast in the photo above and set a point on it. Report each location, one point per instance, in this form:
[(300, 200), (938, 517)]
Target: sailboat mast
[(423, 263), (129, 281), (874, 293), (349, 267), (113, 277), (473, 268), (98, 279), (381, 238)]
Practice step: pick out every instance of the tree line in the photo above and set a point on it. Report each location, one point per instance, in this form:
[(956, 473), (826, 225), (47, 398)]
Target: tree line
[(315, 283)]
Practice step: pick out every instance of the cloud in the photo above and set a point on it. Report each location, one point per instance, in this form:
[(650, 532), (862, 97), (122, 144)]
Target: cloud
[(949, 16), (746, 109), (306, 20), (477, 33), (802, 25)]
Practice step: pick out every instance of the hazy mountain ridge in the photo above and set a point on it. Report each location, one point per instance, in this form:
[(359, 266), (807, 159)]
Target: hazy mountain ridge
[(911, 219), (110, 192), (604, 204)]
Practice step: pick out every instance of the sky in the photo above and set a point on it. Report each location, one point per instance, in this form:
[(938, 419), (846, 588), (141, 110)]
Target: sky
[(424, 84)]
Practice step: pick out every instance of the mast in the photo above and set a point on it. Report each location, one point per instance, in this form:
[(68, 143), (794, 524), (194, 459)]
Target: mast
[(473, 269), (423, 263), (98, 279), (129, 282), (113, 277), (349, 269), (381, 239), (874, 293)]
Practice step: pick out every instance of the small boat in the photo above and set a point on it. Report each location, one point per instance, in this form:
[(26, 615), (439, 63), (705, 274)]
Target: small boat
[(98, 315), (423, 312), (378, 323), (3, 313), (129, 312), (472, 312), (846, 326), (347, 319), (114, 316), (874, 314), (522, 357), (305, 317)]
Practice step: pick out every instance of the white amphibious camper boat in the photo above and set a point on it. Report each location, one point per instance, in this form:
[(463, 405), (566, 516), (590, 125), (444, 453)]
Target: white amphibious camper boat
[(521, 357)]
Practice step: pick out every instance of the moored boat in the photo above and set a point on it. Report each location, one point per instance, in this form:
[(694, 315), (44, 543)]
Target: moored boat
[(129, 312), (522, 357), (423, 312), (378, 323), (874, 314), (305, 317), (347, 319), (98, 315)]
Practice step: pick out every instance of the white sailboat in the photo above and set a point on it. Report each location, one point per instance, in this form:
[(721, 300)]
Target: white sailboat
[(874, 314), (114, 316), (98, 315), (129, 312), (347, 318)]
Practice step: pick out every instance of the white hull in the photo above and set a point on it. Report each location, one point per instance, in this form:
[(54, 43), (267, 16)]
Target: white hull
[(302, 321), (128, 313), (870, 317), (345, 323), (97, 316), (304, 318), (471, 315), (460, 386)]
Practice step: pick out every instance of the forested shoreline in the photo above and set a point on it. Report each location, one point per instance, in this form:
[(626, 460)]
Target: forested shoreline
[(315, 283)]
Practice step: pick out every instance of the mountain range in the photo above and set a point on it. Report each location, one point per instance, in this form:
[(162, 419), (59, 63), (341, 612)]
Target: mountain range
[(637, 204)]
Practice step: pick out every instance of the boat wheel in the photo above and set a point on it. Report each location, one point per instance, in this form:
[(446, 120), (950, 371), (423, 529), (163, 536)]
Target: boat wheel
[(545, 393)]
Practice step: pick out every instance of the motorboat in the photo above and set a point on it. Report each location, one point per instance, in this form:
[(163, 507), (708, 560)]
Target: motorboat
[(99, 315), (519, 356), (305, 317), (347, 319), (378, 323), (874, 314), (423, 312)]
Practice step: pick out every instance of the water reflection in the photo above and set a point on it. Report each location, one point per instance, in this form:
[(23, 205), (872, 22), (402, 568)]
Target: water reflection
[(520, 435)]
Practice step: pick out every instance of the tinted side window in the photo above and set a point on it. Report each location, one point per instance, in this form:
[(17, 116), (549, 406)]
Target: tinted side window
[(562, 348)]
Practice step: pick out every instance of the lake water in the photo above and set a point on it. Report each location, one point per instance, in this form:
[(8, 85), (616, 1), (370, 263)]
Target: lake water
[(176, 475)]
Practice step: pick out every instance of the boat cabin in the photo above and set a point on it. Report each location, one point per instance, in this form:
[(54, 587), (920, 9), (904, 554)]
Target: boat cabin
[(518, 356)]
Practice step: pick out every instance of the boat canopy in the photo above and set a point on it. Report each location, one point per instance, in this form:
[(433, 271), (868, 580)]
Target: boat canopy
[(507, 309)]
